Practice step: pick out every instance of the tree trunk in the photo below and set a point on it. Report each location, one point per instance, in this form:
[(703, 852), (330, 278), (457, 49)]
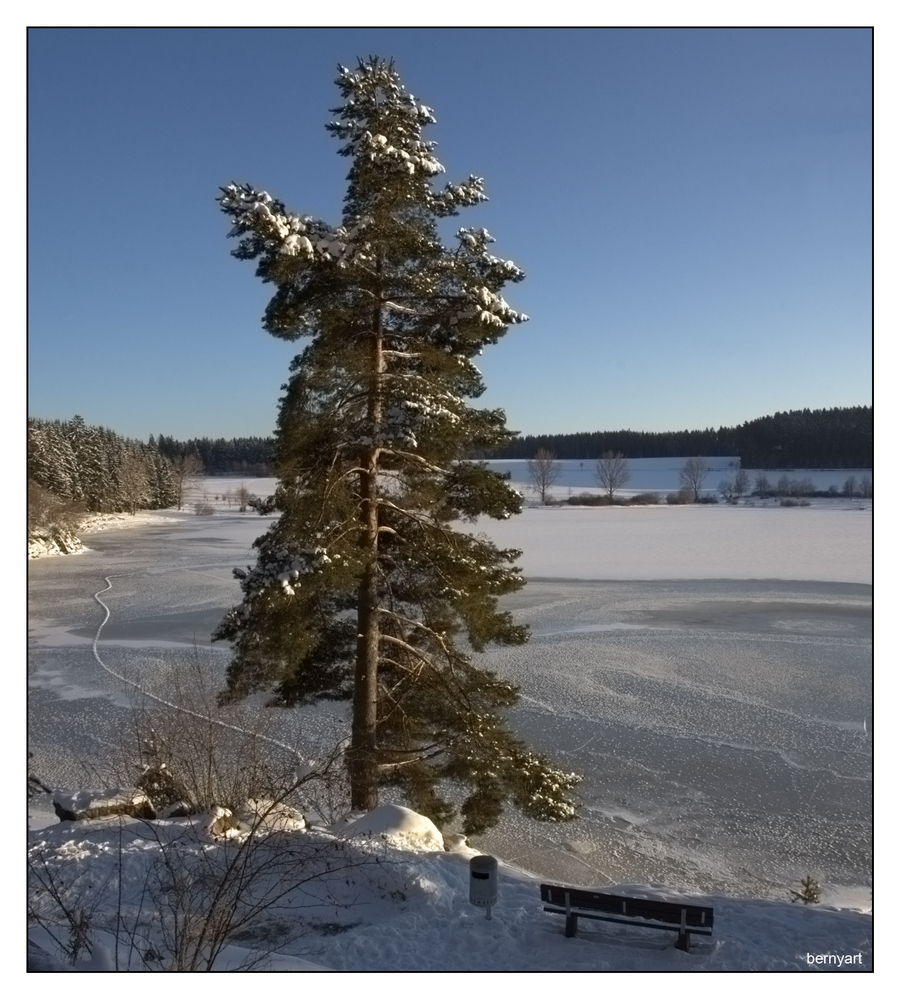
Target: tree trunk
[(362, 760), (362, 755)]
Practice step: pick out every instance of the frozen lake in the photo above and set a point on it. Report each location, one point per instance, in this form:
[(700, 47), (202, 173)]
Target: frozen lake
[(722, 723)]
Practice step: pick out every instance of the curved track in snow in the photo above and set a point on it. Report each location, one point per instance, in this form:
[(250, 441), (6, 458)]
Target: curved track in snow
[(156, 698)]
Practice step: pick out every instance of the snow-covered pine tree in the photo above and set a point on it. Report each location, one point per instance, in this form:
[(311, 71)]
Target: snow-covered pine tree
[(363, 589)]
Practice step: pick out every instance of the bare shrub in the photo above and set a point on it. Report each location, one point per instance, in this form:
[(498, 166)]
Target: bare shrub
[(243, 496), (65, 909), (48, 511), (645, 499), (190, 893), (189, 749), (241, 868)]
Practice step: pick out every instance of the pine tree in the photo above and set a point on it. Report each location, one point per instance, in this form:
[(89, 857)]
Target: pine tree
[(363, 589), (810, 891)]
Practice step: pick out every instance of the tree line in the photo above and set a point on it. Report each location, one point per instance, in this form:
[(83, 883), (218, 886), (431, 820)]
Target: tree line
[(94, 469), (840, 437), (246, 456)]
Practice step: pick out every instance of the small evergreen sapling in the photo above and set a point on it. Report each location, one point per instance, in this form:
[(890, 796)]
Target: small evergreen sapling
[(364, 588), (810, 891)]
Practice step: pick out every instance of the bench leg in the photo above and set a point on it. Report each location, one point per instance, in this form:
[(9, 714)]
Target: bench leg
[(684, 942), (571, 923)]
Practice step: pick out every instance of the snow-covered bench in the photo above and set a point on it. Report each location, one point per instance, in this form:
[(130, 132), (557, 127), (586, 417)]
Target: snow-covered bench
[(684, 918)]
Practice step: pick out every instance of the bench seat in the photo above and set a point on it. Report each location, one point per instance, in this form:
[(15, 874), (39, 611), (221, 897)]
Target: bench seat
[(683, 917)]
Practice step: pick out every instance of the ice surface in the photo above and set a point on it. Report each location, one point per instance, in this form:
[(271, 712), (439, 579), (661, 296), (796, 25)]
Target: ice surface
[(722, 723)]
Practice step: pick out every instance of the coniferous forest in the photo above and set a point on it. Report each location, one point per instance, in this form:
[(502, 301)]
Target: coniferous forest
[(836, 438), (246, 456), (74, 469)]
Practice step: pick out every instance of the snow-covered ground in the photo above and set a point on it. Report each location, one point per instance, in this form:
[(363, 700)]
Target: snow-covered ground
[(707, 668), (382, 895), (692, 542)]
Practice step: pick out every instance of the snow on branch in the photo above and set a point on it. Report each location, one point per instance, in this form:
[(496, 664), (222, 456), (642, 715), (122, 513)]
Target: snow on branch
[(256, 212), (455, 196)]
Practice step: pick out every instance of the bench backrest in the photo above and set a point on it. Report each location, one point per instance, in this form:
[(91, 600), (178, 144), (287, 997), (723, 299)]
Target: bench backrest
[(660, 910)]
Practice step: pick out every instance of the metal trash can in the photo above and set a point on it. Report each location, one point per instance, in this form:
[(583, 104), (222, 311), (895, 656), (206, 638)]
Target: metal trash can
[(483, 881)]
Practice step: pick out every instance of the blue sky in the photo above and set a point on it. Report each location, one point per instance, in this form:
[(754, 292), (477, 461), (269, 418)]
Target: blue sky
[(692, 209)]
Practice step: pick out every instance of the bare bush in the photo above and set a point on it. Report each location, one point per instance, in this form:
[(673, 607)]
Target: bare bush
[(188, 748), (243, 497), (645, 499), (240, 869), (184, 893), (48, 512)]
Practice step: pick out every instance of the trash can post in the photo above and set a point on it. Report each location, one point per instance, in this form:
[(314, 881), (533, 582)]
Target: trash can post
[(483, 882)]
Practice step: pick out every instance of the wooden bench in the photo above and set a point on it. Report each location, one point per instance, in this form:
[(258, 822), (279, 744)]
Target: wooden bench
[(684, 918)]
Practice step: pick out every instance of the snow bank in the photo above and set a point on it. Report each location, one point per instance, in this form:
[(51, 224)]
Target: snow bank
[(399, 827), (394, 909), (53, 542)]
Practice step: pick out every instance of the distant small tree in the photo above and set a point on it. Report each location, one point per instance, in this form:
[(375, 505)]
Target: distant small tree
[(761, 485), (742, 483), (544, 471), (612, 472), (802, 487), (866, 487), (726, 489), (850, 487), (134, 484), (243, 496), (692, 476), (810, 891), (188, 469)]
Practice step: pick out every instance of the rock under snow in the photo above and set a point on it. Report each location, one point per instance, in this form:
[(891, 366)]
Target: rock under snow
[(95, 805), (53, 541), (399, 827), (271, 817)]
